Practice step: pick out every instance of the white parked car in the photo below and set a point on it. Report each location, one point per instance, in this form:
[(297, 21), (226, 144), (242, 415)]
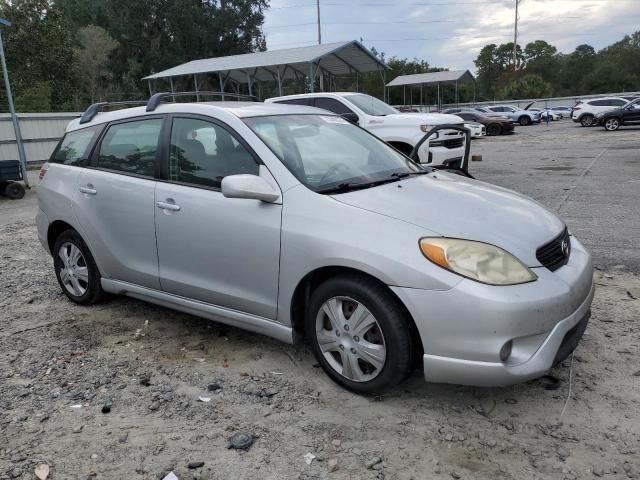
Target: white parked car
[(401, 130), (517, 114), (585, 112), (543, 114), (476, 129), (563, 111)]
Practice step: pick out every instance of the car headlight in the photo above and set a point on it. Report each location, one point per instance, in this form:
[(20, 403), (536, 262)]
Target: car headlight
[(478, 261)]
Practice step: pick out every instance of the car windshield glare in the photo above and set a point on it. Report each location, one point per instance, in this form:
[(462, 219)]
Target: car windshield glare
[(325, 152), (370, 105)]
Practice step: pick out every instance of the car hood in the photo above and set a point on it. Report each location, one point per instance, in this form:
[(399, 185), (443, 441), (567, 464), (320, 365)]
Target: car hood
[(418, 119), (454, 206)]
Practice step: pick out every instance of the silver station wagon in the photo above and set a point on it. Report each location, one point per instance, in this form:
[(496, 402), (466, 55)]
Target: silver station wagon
[(294, 223)]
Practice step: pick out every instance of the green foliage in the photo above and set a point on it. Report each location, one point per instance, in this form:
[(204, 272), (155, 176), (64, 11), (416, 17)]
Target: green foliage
[(540, 68), (90, 50), (34, 99), (526, 86)]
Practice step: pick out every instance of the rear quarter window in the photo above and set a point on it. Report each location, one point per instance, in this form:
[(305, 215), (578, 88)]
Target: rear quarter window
[(74, 148)]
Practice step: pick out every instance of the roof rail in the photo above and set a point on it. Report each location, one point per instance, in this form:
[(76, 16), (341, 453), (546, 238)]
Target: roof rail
[(157, 98), (96, 108)]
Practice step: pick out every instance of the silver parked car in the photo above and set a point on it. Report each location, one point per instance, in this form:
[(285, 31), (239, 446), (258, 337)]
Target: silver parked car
[(288, 220), (519, 115)]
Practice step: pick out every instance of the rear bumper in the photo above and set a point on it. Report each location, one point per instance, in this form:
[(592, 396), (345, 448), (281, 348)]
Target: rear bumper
[(464, 329)]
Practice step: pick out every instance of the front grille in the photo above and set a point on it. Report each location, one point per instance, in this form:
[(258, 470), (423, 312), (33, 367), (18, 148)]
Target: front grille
[(453, 143), (556, 253)]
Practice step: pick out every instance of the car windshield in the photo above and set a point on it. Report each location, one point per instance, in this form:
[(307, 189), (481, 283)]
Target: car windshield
[(327, 153), (370, 105)]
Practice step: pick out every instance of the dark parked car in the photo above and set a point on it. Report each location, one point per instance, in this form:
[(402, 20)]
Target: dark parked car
[(493, 125), (614, 119)]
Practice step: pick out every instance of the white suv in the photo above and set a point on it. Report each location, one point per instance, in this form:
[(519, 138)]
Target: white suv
[(401, 130), (585, 112), (516, 114)]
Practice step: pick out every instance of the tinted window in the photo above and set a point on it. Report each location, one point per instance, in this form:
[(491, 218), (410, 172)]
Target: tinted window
[(467, 116), (617, 103), (297, 101), (332, 105), (497, 109), (598, 103), (203, 153), (131, 147), (75, 146)]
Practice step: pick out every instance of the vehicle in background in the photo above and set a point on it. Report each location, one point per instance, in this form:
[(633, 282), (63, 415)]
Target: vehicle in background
[(400, 130), (630, 98), (517, 114), (488, 113), (493, 125), (585, 112), (614, 119), (476, 129), (295, 223), (543, 114), (563, 111)]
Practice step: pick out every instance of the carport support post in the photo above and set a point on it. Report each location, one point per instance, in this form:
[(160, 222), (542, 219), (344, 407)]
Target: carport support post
[(221, 85), (14, 118), (279, 80), (438, 101), (456, 92), (195, 81)]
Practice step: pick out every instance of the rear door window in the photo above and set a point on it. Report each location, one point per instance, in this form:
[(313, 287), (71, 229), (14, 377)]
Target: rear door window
[(75, 147), (131, 147), (297, 101), (332, 105)]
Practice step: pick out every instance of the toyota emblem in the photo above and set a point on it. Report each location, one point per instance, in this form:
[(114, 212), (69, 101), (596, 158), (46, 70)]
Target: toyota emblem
[(565, 247)]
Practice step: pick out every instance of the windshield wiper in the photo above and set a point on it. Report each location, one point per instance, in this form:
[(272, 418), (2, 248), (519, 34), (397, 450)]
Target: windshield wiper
[(347, 187)]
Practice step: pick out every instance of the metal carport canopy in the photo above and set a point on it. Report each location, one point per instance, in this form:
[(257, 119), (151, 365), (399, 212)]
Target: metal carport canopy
[(341, 58), (433, 78)]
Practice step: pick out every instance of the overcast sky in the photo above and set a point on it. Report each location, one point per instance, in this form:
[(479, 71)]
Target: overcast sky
[(450, 33)]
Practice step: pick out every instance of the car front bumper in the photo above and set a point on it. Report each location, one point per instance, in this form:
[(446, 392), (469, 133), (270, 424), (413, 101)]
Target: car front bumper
[(464, 329)]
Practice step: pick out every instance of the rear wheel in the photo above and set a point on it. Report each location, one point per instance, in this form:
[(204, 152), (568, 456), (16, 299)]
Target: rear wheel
[(14, 190), (494, 129), (76, 270), (586, 120), (360, 334), (612, 124), (524, 120)]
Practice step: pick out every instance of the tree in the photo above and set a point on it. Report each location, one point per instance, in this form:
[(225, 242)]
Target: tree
[(92, 58), (38, 51), (36, 98), (526, 86)]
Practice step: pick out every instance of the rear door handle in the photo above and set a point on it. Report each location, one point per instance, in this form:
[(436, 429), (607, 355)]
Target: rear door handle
[(88, 190), (168, 206)]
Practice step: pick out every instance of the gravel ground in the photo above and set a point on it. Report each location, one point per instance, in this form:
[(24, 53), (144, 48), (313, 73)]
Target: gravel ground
[(112, 391)]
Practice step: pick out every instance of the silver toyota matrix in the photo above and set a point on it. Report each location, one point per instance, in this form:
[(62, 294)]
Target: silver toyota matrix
[(290, 221)]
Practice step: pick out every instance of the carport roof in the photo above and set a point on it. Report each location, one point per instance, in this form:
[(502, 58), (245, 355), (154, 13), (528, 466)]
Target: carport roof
[(433, 78), (341, 58)]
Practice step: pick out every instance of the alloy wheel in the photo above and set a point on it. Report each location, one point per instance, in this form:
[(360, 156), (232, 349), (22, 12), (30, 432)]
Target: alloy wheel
[(612, 124), (350, 339), (74, 273)]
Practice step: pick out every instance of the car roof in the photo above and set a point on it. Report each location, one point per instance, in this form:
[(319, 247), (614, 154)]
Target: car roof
[(239, 109), (316, 94)]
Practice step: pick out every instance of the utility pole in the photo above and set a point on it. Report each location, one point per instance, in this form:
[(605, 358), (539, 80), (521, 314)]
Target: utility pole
[(319, 33), (14, 118), (515, 38)]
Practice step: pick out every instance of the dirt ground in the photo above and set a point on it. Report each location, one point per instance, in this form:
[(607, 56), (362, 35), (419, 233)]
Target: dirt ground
[(60, 364)]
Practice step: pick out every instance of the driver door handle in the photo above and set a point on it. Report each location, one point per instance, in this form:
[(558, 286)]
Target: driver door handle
[(168, 206), (88, 190)]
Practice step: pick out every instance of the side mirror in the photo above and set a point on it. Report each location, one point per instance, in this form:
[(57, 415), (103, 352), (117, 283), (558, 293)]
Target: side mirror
[(350, 117), (249, 186)]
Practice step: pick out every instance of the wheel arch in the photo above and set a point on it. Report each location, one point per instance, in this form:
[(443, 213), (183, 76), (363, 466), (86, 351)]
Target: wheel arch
[(55, 229), (313, 279)]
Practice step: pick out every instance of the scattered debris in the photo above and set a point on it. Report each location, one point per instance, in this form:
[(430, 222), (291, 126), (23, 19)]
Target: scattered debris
[(241, 441), (214, 386), (170, 476), (372, 462), (332, 464), (106, 406), (76, 406), (194, 465), (42, 471), (309, 458), (204, 399), (199, 359)]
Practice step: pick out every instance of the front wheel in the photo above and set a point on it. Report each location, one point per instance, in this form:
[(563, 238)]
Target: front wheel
[(360, 334), (611, 124), (524, 120), (76, 270), (586, 120)]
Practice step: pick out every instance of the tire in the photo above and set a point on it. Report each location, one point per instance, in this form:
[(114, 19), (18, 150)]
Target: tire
[(14, 190), (494, 129), (524, 120), (79, 278), (386, 334), (611, 124), (586, 120)]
